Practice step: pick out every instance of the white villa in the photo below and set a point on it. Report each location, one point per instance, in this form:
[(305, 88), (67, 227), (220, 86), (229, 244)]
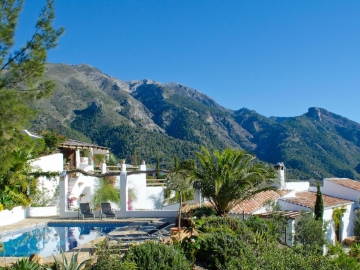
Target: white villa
[(294, 197)]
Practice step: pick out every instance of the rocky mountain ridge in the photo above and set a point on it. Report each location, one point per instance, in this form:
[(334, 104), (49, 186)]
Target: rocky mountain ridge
[(91, 105)]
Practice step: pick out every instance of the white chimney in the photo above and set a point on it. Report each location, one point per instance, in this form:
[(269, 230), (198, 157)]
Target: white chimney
[(280, 169)]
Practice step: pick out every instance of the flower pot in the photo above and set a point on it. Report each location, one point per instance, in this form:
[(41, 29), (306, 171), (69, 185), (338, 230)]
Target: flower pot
[(179, 234), (176, 230)]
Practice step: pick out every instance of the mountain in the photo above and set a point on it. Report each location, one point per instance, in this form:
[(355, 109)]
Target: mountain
[(157, 120)]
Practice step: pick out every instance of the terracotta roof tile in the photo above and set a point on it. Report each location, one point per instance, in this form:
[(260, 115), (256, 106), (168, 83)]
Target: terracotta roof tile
[(256, 202), (307, 199), (346, 182)]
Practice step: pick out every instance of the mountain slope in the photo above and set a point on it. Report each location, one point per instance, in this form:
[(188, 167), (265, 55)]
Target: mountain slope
[(159, 120)]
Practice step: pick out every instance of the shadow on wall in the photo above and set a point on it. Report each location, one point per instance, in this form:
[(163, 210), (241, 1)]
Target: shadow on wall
[(157, 200)]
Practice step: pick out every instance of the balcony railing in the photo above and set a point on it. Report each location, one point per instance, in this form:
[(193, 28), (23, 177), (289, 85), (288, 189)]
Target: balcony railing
[(155, 182)]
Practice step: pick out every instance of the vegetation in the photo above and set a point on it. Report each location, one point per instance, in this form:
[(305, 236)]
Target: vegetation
[(110, 258), (52, 140), (155, 113), (203, 211), (184, 169), (319, 204), (72, 264), (152, 255), (337, 214), (357, 225), (224, 243), (310, 233), (180, 182), (124, 139), (230, 177), (26, 264), (105, 191), (21, 83), (41, 197)]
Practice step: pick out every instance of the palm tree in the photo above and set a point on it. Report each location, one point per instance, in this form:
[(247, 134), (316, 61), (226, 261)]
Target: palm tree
[(230, 177)]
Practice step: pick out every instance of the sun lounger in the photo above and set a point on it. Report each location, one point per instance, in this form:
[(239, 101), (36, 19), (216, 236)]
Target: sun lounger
[(107, 211), (86, 211)]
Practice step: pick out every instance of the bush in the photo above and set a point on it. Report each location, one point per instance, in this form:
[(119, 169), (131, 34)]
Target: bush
[(357, 225), (25, 264), (213, 224), (203, 211), (151, 255), (220, 248), (109, 257), (310, 233), (345, 262), (274, 256)]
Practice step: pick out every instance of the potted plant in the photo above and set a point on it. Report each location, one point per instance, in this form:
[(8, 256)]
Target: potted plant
[(178, 181)]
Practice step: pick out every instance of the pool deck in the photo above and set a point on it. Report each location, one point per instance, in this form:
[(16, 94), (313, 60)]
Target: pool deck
[(86, 249), (30, 222)]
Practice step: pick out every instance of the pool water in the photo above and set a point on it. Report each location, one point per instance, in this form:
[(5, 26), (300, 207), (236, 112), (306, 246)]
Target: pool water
[(56, 237)]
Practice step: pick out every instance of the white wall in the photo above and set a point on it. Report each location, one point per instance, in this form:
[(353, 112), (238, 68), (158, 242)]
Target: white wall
[(147, 198), (333, 189), (137, 182), (49, 163), (147, 213), (41, 211), (297, 186), (84, 185), (330, 232), (12, 216), (347, 220), (292, 207)]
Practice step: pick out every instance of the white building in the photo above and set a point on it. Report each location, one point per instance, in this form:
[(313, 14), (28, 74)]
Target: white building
[(293, 197)]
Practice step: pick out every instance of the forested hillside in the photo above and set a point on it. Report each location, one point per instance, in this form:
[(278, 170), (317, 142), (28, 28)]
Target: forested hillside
[(158, 120)]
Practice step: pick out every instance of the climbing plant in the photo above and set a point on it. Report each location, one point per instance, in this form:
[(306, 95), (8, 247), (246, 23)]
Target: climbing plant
[(337, 214)]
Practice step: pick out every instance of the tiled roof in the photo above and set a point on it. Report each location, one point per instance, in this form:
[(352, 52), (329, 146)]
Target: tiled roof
[(185, 208), (346, 182), (79, 144), (307, 199), (256, 202), (286, 214)]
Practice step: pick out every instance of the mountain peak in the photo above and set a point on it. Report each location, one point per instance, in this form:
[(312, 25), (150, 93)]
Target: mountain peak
[(315, 113)]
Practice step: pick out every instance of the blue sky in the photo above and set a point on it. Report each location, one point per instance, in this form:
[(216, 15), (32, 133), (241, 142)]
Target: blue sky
[(276, 57)]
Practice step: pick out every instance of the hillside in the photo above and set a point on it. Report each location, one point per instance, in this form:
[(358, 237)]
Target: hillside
[(159, 120)]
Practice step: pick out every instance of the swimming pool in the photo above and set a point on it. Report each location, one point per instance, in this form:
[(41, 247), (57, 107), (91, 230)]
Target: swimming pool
[(51, 239)]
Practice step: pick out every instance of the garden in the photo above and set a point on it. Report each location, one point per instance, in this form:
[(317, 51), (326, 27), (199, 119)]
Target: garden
[(214, 242)]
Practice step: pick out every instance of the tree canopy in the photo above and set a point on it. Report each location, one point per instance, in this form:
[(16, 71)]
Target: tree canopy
[(319, 204), (21, 71), (230, 177)]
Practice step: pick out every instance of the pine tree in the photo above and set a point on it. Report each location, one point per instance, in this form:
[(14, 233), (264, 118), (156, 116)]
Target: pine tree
[(158, 167), (176, 163), (319, 204), (21, 72)]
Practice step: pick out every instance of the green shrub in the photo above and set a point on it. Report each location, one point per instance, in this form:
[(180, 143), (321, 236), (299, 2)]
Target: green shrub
[(310, 233), (257, 224), (218, 249), (203, 211), (213, 224), (274, 256), (345, 262), (190, 246), (355, 250), (109, 258), (357, 225), (25, 264), (72, 264), (151, 255)]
